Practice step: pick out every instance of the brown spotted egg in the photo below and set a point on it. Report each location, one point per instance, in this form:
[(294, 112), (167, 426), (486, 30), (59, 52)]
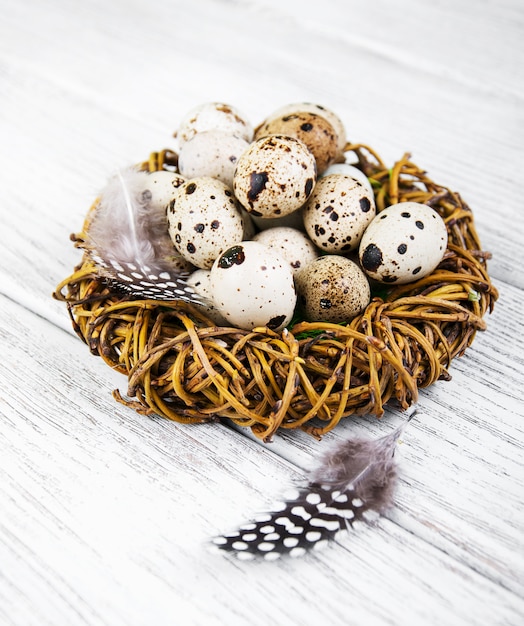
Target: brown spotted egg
[(312, 129), (253, 286), (211, 153), (292, 245), (214, 116), (332, 289), (204, 219), (309, 107), (338, 212), (403, 243), (274, 176)]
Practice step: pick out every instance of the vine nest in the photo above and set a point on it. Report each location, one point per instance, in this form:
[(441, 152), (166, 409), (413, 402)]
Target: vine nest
[(312, 374)]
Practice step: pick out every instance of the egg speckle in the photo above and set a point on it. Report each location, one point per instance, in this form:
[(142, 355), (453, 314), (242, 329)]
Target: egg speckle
[(204, 219), (403, 243), (292, 245), (274, 176), (332, 289), (338, 212), (253, 286)]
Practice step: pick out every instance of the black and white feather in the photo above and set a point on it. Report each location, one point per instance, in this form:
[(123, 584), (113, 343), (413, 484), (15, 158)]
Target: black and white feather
[(129, 241), (353, 480)]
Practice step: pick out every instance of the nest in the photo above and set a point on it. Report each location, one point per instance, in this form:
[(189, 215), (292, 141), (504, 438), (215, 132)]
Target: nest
[(313, 374)]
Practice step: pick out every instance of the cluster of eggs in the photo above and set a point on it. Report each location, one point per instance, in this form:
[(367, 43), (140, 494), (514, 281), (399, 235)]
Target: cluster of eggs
[(271, 216)]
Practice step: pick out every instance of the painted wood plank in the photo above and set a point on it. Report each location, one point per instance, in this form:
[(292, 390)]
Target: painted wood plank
[(99, 503)]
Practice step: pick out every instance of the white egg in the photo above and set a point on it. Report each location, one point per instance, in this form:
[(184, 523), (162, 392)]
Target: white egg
[(274, 176), (204, 219), (253, 286), (160, 187), (211, 153), (214, 116), (292, 245), (403, 243), (349, 170), (338, 212), (332, 289)]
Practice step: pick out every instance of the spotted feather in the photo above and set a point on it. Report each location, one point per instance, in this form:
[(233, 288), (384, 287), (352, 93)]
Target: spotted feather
[(353, 480)]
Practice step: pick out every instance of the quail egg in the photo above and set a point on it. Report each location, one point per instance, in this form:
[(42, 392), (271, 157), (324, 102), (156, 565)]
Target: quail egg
[(312, 129), (214, 116), (211, 153), (204, 219), (160, 187), (332, 289), (274, 176), (200, 282), (309, 107), (337, 213), (294, 246), (253, 286), (349, 170), (403, 243)]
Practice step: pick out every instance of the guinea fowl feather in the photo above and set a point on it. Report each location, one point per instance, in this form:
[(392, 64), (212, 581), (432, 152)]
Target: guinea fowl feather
[(128, 238), (353, 479)]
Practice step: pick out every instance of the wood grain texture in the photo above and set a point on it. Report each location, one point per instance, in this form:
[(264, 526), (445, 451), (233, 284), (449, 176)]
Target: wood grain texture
[(93, 491), (104, 514)]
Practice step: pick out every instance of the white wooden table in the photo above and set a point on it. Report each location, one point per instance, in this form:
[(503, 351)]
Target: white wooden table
[(105, 514)]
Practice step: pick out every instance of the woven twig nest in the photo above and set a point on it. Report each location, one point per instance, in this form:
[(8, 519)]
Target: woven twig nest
[(312, 374)]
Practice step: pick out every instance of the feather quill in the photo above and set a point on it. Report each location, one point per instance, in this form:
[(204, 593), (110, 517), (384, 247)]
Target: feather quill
[(355, 478), (128, 239)]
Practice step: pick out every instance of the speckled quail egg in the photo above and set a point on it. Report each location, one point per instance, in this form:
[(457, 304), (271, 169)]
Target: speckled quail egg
[(403, 243), (204, 219), (309, 107), (253, 286), (211, 153), (292, 245), (338, 212), (274, 176), (332, 289), (200, 281), (160, 187), (312, 129), (214, 116), (349, 170)]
